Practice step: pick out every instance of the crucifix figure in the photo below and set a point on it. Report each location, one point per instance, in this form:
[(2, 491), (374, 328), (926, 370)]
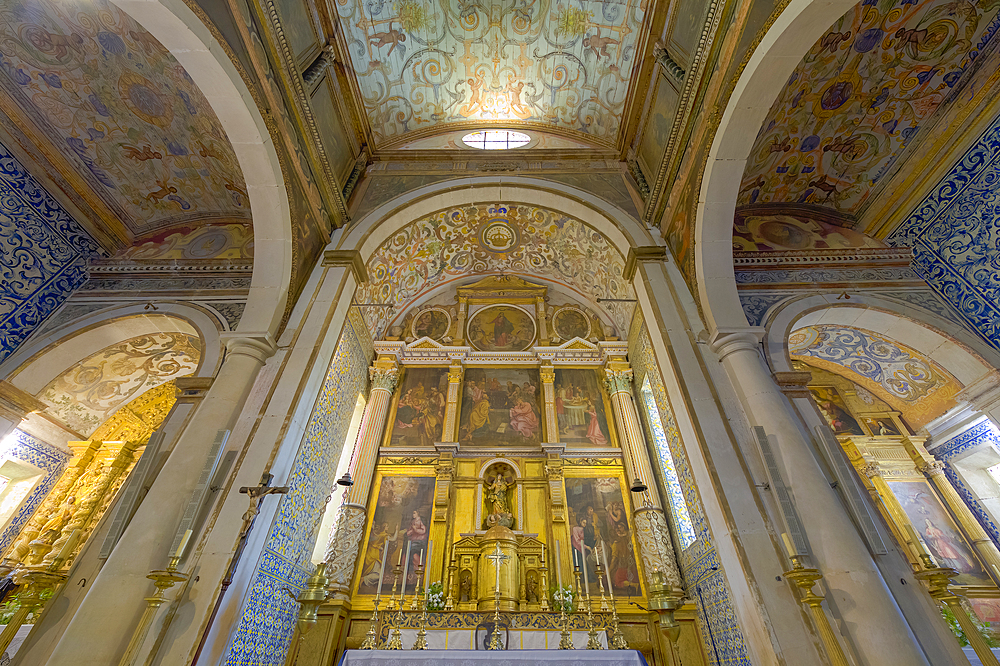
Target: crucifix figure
[(498, 559)]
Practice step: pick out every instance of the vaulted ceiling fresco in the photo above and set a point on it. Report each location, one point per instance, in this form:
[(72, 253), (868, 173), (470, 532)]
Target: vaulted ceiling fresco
[(860, 96), (901, 376), (422, 63), (457, 243), (117, 116)]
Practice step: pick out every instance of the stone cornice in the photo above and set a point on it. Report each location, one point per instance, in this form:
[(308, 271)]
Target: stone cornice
[(865, 256), (349, 258)]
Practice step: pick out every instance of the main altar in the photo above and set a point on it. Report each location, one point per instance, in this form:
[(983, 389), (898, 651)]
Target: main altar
[(501, 495)]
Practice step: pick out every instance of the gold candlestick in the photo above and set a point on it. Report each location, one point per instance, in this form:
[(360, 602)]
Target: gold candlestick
[(565, 637), (600, 581), (396, 573), (593, 642), (618, 641), (421, 642), (371, 638), (495, 643), (395, 641)]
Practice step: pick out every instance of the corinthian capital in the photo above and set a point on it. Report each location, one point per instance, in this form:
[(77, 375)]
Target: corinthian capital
[(384, 373), (932, 467), (871, 470), (618, 380)]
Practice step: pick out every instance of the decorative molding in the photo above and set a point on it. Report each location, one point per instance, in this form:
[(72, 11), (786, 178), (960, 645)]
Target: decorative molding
[(350, 259), (869, 256), (672, 67), (643, 254)]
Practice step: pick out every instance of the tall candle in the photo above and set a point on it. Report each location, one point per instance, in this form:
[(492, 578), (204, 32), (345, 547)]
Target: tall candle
[(183, 544), (381, 572), (427, 579), (607, 571), (406, 565), (586, 581), (558, 566)]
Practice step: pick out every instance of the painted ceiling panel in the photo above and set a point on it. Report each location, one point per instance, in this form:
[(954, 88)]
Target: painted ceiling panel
[(110, 105), (859, 97), (422, 63)]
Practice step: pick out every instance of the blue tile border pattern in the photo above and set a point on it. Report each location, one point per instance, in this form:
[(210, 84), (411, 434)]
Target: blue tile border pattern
[(952, 233), (39, 454), (701, 570), (46, 252), (265, 631)]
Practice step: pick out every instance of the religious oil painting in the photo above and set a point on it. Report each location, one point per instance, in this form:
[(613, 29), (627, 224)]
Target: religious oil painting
[(432, 323), (569, 323), (501, 328), (420, 411), (599, 529), (939, 533), (580, 409), (835, 410), (401, 519), (501, 406)]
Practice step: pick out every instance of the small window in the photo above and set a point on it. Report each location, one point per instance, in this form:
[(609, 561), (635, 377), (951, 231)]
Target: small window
[(685, 529), (496, 139)]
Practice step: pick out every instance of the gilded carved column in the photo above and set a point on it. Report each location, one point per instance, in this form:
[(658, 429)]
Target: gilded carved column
[(455, 373), (655, 546), (83, 457), (934, 470), (548, 374), (114, 459), (342, 551)]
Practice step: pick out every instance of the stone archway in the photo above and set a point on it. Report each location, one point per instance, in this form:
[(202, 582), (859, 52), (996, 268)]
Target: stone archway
[(789, 38)]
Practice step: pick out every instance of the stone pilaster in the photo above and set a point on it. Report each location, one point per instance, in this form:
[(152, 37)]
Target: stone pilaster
[(655, 546), (548, 375), (543, 332), (342, 550), (455, 373)]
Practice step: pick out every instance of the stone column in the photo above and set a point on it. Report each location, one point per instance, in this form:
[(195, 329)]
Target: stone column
[(548, 374), (650, 526), (934, 470), (15, 404), (342, 551), (857, 591), (455, 373), (144, 545)]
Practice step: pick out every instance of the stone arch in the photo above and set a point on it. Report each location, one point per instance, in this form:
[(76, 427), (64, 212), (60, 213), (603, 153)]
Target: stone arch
[(196, 47), (782, 47), (36, 363), (369, 232), (959, 352)]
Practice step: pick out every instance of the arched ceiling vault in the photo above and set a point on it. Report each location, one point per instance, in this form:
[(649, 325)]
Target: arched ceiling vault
[(115, 121), (423, 67), (481, 239)]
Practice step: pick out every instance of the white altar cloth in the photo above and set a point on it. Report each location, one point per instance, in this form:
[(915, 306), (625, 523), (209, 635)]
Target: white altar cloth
[(507, 657)]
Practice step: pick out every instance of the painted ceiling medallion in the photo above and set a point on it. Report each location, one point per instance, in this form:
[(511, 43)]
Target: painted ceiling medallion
[(498, 235)]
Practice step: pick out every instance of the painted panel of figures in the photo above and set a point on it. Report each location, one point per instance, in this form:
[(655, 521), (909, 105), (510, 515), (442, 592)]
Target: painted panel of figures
[(402, 516), (580, 408), (500, 406), (599, 522), (835, 410), (940, 534), (501, 328), (420, 412)]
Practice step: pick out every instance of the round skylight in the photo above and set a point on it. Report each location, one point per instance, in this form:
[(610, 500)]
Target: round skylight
[(495, 139)]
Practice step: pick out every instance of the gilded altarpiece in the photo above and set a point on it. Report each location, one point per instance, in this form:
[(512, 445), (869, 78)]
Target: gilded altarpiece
[(499, 446)]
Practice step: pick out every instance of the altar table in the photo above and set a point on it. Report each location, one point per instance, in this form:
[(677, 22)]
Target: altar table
[(506, 657)]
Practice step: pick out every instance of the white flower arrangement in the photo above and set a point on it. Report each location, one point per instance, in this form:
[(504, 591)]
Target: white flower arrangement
[(435, 597), (562, 598)]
